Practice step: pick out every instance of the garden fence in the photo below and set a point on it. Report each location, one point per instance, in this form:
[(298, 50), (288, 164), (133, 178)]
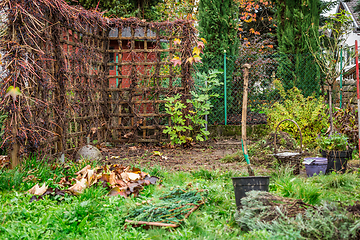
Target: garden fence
[(86, 78), (291, 70)]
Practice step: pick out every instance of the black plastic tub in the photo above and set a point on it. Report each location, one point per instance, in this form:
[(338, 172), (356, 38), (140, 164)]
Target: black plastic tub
[(337, 160), (246, 184)]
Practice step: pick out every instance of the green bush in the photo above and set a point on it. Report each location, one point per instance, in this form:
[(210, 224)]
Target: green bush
[(308, 112)]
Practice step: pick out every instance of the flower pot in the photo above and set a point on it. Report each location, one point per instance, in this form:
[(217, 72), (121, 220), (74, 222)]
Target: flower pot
[(315, 165), (246, 184), (337, 160)]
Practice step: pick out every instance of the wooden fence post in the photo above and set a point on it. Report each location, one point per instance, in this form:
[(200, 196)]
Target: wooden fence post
[(15, 147)]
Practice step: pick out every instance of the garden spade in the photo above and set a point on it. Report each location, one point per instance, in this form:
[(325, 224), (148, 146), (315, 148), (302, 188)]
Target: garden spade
[(243, 120)]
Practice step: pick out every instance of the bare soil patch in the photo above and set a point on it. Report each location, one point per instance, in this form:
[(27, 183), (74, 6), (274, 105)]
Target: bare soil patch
[(205, 156)]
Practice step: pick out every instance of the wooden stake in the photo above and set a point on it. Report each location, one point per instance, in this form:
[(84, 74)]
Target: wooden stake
[(14, 155), (157, 224), (243, 120), (244, 106)]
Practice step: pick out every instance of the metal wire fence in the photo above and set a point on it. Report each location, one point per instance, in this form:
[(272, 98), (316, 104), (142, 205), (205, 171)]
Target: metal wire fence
[(299, 71)]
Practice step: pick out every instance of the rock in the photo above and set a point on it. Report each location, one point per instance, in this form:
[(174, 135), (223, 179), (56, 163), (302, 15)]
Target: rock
[(89, 152)]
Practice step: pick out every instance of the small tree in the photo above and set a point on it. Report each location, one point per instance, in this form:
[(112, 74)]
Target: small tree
[(330, 42)]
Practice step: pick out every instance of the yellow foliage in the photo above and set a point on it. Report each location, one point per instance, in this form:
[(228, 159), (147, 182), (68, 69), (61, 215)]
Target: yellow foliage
[(308, 112)]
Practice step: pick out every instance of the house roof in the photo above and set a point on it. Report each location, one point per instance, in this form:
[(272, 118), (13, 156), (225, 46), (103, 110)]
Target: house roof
[(350, 7)]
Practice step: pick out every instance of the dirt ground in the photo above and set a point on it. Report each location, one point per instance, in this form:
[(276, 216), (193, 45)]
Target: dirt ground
[(208, 155)]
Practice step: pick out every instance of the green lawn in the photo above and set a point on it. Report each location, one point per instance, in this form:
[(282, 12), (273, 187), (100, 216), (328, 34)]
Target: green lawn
[(93, 215)]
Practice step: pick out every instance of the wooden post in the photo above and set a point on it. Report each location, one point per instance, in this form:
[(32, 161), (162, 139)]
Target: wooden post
[(244, 106), (243, 120), (15, 146), (14, 154)]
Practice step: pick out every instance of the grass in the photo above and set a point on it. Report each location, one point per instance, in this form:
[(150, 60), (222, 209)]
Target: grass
[(93, 215), (235, 157)]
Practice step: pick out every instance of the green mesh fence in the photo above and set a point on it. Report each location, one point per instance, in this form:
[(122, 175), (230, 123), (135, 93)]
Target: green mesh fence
[(299, 71)]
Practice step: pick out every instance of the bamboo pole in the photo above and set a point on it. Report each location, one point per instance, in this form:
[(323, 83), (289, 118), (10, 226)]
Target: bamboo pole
[(157, 224)]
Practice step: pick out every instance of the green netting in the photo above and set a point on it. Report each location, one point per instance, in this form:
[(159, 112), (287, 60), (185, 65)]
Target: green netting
[(299, 71)]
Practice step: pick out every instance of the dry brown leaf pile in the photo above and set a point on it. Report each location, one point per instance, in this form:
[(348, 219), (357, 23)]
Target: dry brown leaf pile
[(118, 179)]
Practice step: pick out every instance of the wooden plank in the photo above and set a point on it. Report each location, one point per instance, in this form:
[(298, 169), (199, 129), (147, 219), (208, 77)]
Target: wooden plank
[(141, 140), (159, 89), (138, 63), (137, 101), (80, 45), (144, 75), (142, 50), (137, 38), (140, 115), (149, 127)]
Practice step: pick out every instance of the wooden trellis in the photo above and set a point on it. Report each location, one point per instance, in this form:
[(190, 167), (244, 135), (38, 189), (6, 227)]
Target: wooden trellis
[(86, 78)]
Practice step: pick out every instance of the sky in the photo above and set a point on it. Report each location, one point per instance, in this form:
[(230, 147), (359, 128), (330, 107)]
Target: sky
[(332, 11)]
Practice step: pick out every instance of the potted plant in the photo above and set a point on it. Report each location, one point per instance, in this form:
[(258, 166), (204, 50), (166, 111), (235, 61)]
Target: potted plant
[(336, 149)]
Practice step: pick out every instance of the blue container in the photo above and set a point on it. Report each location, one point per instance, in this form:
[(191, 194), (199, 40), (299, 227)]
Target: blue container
[(315, 165)]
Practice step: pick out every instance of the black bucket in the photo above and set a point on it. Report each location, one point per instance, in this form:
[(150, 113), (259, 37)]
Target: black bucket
[(337, 160), (246, 184)]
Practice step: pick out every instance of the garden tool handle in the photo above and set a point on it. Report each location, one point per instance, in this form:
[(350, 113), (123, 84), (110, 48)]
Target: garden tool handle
[(275, 149), (244, 105)]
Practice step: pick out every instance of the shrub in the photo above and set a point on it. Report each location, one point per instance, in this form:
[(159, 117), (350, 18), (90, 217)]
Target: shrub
[(346, 122), (337, 142), (308, 112)]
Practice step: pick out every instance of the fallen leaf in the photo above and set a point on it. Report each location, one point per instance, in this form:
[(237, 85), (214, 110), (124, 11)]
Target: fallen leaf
[(121, 183), (91, 177), (105, 177), (157, 153), (143, 175), (41, 190), (84, 170), (133, 148), (136, 170), (204, 41), (112, 179), (78, 187), (30, 178), (125, 177), (152, 179), (118, 191), (36, 190), (134, 186), (49, 191), (133, 176)]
